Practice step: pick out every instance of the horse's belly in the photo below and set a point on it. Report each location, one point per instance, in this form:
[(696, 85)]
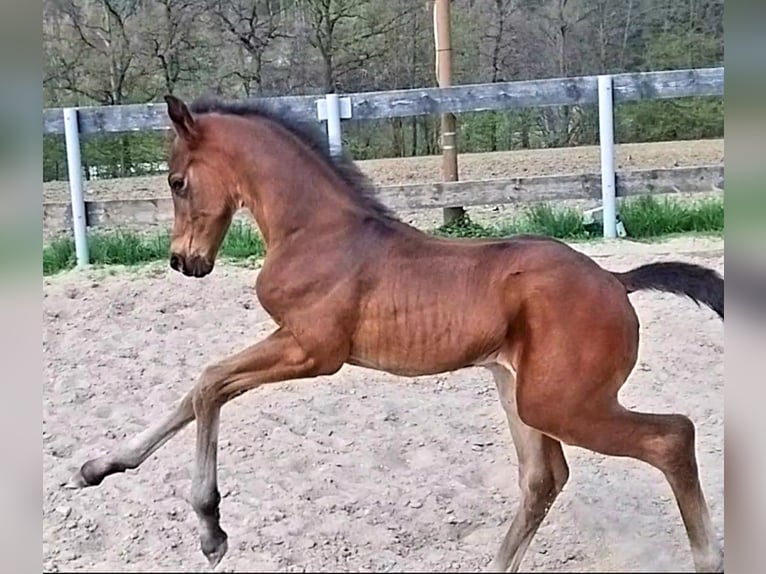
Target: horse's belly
[(422, 343)]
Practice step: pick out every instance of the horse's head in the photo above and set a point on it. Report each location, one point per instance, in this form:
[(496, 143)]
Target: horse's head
[(202, 186)]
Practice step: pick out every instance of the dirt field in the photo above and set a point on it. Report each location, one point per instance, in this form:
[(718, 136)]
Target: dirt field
[(560, 161), (361, 471)]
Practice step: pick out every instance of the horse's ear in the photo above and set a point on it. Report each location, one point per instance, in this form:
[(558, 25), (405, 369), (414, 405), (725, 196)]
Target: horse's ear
[(183, 122)]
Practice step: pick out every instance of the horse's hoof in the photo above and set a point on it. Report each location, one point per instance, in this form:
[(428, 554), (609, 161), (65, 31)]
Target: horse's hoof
[(719, 566), (494, 567), (77, 481), (713, 563), (91, 473), (214, 550)]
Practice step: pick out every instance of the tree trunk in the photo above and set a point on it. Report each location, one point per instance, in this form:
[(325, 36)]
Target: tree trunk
[(398, 137), (127, 161), (525, 126), (414, 148), (329, 76)]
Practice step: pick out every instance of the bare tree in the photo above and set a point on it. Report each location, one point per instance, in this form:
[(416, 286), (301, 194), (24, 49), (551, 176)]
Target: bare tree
[(559, 21), (172, 41), (252, 25), (497, 49), (103, 32), (345, 33)]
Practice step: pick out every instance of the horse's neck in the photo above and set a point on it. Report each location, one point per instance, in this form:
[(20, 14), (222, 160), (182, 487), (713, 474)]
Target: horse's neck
[(311, 200), (288, 202)]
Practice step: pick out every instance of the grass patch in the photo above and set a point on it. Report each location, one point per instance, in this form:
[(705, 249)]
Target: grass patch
[(545, 219), (538, 219), (129, 248), (465, 227), (116, 248), (647, 216), (243, 241), (644, 217), (125, 248), (58, 256)]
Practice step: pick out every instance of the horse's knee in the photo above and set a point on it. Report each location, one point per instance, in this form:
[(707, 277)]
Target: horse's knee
[(207, 391)]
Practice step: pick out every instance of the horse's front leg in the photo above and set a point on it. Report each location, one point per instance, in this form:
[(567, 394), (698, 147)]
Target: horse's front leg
[(277, 358), (135, 451)]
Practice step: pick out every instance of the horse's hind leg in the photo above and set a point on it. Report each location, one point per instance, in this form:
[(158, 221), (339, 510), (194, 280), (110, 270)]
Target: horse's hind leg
[(667, 443), (589, 416), (543, 471)]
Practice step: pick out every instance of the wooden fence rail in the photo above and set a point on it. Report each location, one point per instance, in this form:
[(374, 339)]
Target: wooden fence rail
[(148, 213), (604, 90), (426, 101)]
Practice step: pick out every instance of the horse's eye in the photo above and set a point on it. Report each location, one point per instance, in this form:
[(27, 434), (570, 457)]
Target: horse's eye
[(176, 182)]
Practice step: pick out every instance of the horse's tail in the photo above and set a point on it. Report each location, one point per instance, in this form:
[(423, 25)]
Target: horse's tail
[(700, 284)]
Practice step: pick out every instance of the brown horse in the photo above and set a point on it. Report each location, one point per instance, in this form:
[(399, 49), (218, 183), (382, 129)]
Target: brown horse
[(348, 283)]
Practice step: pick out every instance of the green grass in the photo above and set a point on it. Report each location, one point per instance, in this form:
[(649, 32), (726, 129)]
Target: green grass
[(129, 248), (544, 219), (644, 217)]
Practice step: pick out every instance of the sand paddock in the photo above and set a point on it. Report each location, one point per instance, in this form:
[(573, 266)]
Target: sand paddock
[(361, 471)]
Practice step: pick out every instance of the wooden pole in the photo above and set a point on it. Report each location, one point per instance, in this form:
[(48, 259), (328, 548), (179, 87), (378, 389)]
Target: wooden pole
[(443, 39)]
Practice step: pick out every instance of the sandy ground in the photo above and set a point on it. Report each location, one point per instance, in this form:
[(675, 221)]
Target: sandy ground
[(475, 166), (361, 471)]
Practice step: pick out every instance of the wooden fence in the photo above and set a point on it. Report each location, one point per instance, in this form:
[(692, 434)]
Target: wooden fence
[(427, 101), (148, 213), (605, 90)]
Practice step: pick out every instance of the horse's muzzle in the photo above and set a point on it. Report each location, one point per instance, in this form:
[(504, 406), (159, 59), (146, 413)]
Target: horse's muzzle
[(191, 267)]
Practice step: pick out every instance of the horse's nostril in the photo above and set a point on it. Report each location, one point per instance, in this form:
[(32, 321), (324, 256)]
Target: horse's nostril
[(175, 262)]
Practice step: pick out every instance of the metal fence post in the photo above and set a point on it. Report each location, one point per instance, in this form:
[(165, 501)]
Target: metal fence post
[(606, 142), (74, 167), (332, 109), (333, 124)]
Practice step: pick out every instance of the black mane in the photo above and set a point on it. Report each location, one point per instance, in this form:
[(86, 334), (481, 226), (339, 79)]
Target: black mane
[(343, 165)]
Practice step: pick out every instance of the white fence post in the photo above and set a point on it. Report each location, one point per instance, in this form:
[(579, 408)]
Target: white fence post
[(332, 109), (333, 124), (606, 141), (74, 167)]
